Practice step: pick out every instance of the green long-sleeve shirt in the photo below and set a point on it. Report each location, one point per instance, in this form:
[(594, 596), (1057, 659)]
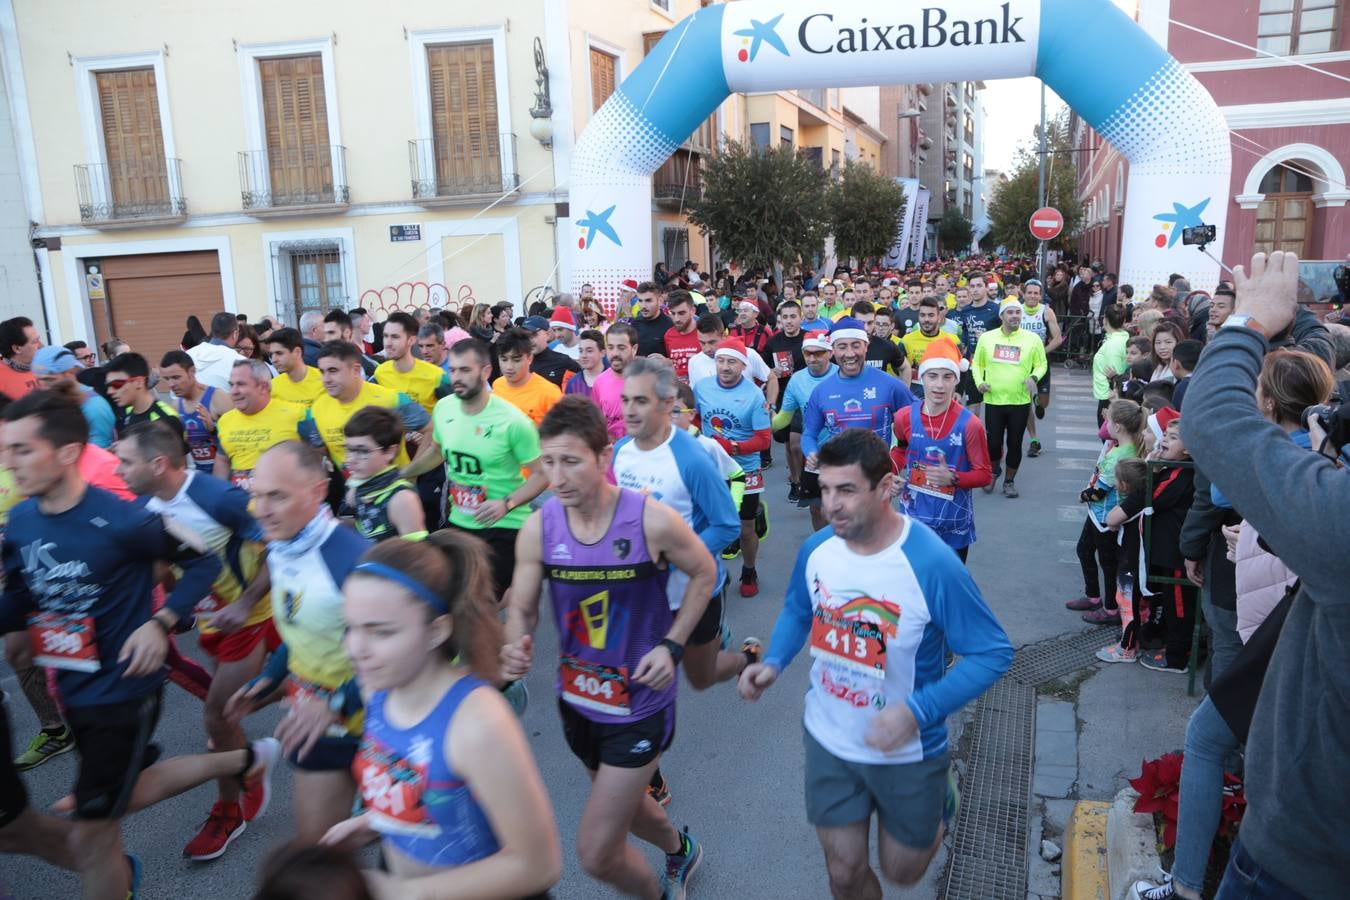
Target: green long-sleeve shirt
[(1110, 355), (1005, 362)]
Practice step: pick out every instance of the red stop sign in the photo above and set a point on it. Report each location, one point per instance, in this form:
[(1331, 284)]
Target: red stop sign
[(1046, 223)]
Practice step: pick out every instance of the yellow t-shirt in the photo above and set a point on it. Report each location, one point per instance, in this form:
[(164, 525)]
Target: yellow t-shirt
[(330, 416), (304, 392), (916, 344), (420, 383), (535, 398), (244, 438), (9, 497)]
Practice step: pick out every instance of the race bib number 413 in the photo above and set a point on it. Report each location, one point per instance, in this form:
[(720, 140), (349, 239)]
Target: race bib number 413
[(853, 644)]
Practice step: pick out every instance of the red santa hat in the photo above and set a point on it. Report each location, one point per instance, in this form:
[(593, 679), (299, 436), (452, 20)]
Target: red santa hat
[(942, 354), (734, 348), (562, 318)]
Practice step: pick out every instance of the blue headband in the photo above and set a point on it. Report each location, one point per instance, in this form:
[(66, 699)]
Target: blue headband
[(419, 590)]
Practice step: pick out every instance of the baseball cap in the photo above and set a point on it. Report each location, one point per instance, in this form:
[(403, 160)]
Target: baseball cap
[(54, 361), (535, 323)]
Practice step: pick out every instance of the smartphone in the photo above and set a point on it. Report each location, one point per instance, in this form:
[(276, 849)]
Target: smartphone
[(1323, 281), (1199, 234)]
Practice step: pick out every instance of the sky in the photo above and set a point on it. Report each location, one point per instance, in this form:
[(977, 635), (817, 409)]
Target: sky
[(1012, 108)]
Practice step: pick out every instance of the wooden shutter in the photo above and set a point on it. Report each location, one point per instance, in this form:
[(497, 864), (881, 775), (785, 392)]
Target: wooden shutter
[(603, 68), (295, 121), (133, 140), (464, 129)]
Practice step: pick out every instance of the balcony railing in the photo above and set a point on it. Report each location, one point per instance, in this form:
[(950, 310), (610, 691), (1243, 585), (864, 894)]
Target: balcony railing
[(456, 168), (294, 178), (130, 192), (679, 180)]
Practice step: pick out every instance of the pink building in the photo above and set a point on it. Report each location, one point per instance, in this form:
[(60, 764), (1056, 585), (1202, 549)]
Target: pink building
[(1289, 124), (906, 144)]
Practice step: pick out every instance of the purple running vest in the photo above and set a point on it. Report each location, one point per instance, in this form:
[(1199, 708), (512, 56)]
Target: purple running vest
[(610, 606)]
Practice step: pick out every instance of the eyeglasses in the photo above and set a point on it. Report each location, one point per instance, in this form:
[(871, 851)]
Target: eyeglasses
[(85, 358), (363, 452)]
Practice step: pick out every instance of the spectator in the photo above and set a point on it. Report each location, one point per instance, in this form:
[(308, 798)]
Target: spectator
[(195, 333), (1194, 315), (651, 321), (19, 342), (55, 369), (311, 336), (1080, 296), (1184, 359), (593, 315), (214, 358), (1110, 358), (1166, 336), (1220, 308), (1145, 321)]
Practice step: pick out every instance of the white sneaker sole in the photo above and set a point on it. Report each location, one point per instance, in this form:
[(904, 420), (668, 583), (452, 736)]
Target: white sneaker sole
[(207, 857)]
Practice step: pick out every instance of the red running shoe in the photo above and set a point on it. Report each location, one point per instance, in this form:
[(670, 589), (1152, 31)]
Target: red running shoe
[(225, 823)]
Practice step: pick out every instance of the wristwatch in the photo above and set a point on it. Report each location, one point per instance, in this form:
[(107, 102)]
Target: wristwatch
[(1241, 320), (676, 649)]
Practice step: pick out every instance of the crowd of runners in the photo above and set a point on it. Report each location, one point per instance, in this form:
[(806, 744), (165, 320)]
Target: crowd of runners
[(359, 520)]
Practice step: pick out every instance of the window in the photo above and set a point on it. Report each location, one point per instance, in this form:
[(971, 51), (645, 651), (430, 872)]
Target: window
[(466, 145), (310, 277), (663, 5), (785, 135), (759, 135), (1282, 219), (128, 107), (674, 246), (970, 129), (1297, 26), (815, 154), (295, 129), (604, 73), (968, 167)]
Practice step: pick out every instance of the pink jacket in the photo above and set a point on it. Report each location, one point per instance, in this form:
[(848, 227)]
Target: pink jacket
[(1261, 581)]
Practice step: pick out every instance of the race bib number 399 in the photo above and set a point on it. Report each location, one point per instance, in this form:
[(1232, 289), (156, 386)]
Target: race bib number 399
[(63, 641)]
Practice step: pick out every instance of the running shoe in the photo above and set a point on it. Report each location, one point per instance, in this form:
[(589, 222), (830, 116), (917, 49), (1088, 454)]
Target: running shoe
[(257, 795), (1010, 490), (1035, 449), (794, 492), (1158, 663), (753, 649), (1115, 654), (659, 788), (222, 826), (1147, 890), (951, 804), (518, 696), (733, 550), (993, 482), (1083, 603), (1102, 616), (749, 582), (43, 747), (762, 522), (134, 863), (680, 867), (1040, 410)]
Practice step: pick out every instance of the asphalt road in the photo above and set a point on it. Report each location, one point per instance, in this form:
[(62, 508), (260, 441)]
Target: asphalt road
[(735, 768)]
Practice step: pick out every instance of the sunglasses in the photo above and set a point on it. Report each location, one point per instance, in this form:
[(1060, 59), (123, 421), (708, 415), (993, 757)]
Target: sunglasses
[(116, 384)]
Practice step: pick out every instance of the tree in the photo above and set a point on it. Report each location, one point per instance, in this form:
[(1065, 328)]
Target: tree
[(762, 207), (955, 231), (1010, 210), (865, 213)]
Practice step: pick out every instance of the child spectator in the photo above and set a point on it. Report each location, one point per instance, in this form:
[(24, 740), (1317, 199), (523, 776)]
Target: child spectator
[(1184, 360), (1131, 487)]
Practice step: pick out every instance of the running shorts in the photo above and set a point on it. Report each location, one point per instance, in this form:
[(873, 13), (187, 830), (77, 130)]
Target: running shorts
[(709, 627), (907, 797), (968, 390), (237, 645), (329, 754), (1043, 384), (749, 507), (808, 490), (113, 741), (13, 797), (623, 745), (502, 544)]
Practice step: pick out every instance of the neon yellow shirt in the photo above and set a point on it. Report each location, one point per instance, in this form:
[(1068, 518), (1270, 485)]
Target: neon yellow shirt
[(421, 382), (1005, 362), (244, 438), (330, 416), (304, 392), (484, 455), (916, 345)]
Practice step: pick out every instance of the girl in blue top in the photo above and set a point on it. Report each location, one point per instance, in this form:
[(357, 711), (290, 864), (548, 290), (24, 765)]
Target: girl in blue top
[(446, 776)]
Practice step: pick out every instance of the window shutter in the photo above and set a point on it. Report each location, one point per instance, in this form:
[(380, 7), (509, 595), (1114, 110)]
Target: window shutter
[(133, 139), (603, 66), (295, 122), (464, 127)]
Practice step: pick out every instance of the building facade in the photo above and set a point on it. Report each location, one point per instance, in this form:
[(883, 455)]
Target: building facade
[(1277, 70), (952, 171), (186, 164)]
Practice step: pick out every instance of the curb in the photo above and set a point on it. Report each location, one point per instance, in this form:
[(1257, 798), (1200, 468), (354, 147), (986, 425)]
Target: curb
[(1083, 875), (1131, 845)]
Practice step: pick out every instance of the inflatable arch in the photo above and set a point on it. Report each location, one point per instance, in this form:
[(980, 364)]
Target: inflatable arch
[(1094, 56)]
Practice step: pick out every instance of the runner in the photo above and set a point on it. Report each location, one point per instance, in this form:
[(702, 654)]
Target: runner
[(783, 353), (591, 358), (19, 343), (256, 423), (445, 772), (660, 460), (819, 366), (975, 319), (338, 327), (129, 389), (295, 382), (309, 555), (916, 343), (526, 390), (941, 452), (882, 353), (562, 328), (811, 319), (346, 391), (381, 502), (1005, 367), (681, 339), (432, 347), (734, 414), (198, 406), (79, 567), (56, 369), (236, 630), (880, 597), (649, 322), (606, 553), (485, 443), (621, 343), (558, 368), (711, 331), (1041, 321)]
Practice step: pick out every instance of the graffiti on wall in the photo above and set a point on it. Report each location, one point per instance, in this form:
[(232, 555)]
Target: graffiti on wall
[(409, 296)]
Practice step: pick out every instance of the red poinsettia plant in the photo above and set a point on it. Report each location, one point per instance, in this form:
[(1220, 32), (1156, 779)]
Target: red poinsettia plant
[(1159, 789)]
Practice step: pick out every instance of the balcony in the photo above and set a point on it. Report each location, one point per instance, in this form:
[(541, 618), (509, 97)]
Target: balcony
[(925, 88), (817, 97), (135, 194), (462, 171), (679, 180), (294, 180)]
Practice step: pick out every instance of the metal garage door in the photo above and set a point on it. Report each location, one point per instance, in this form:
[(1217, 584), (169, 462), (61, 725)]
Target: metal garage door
[(149, 298)]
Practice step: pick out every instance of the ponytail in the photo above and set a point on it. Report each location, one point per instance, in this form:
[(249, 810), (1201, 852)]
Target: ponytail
[(1130, 416)]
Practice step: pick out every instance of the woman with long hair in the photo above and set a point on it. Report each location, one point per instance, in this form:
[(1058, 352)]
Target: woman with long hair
[(194, 335), (1166, 335), (480, 322), (593, 315), (449, 784)]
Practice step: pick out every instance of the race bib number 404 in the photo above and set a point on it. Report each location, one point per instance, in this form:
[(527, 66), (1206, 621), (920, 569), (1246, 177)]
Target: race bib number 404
[(603, 689), (63, 641)]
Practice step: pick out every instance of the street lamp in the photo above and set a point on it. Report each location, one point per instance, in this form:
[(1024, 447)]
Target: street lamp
[(910, 113)]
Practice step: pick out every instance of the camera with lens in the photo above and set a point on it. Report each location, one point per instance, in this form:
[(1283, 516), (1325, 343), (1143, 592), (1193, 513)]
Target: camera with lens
[(1333, 418)]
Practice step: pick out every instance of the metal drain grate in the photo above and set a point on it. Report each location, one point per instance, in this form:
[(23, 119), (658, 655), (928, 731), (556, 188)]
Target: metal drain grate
[(989, 837), (1037, 663)]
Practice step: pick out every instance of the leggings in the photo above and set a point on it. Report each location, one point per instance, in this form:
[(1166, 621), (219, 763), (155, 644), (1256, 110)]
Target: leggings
[(1094, 546), (1177, 603), (1013, 420)]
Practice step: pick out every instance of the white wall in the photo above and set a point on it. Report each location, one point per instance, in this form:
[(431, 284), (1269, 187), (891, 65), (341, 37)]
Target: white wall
[(18, 276)]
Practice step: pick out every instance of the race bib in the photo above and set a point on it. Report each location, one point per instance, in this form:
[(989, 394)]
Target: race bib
[(592, 686), (1007, 353), (853, 644), (63, 641), (299, 691), (754, 483), (242, 478), (392, 787), (467, 497), (782, 362), (918, 482), (203, 453)]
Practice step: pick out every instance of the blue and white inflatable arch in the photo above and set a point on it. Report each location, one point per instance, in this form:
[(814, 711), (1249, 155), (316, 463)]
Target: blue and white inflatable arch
[(1094, 56)]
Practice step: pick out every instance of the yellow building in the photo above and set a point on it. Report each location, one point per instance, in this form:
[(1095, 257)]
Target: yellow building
[(278, 158)]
